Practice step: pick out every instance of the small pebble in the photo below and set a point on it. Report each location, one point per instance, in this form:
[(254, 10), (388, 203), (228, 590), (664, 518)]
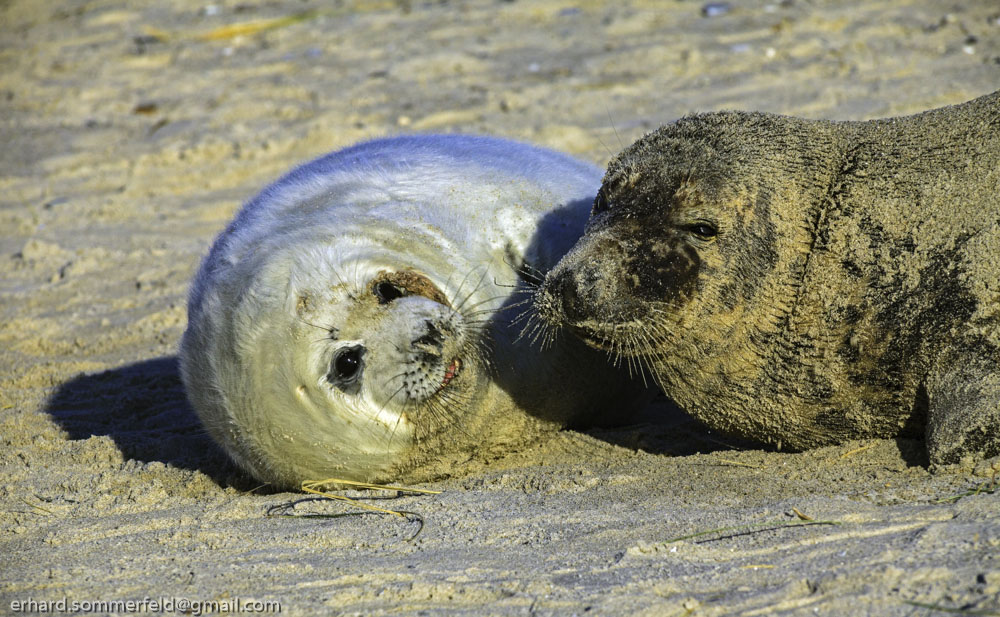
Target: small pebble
[(55, 202), (715, 9)]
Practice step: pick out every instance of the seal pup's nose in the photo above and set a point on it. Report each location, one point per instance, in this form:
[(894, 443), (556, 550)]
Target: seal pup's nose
[(432, 339)]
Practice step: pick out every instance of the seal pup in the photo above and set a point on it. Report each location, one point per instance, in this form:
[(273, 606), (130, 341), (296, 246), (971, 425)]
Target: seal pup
[(804, 282), (351, 321)]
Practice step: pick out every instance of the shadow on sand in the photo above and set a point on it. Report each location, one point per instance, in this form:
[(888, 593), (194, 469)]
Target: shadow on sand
[(142, 407), (664, 428)]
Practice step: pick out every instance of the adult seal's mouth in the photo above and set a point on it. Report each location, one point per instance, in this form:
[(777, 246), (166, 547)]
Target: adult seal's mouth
[(595, 337)]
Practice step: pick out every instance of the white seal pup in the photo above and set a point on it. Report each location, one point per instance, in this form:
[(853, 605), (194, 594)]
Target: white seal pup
[(355, 319)]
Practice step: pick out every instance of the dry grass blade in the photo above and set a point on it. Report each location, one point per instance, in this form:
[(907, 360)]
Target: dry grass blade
[(803, 517), (287, 510), (315, 484), (750, 528), (314, 487), (31, 505), (857, 450), (957, 610), (986, 488), (731, 462), (253, 27)]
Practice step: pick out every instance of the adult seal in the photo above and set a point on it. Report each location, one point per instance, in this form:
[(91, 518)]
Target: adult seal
[(804, 282), (355, 320)]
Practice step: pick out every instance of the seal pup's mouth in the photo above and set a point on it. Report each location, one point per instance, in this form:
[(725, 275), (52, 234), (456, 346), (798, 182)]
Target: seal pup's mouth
[(450, 373)]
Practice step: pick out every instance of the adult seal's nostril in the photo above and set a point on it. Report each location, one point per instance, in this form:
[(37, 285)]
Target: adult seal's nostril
[(569, 297)]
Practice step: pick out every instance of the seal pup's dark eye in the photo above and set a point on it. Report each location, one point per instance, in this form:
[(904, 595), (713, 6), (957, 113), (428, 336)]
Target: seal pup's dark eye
[(704, 230), (346, 368), (387, 292)]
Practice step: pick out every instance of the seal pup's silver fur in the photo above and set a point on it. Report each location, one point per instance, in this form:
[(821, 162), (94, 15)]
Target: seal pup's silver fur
[(350, 321)]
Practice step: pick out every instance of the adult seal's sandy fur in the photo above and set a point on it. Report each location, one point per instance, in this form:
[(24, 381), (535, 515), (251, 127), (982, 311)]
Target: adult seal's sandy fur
[(805, 282), (354, 320)]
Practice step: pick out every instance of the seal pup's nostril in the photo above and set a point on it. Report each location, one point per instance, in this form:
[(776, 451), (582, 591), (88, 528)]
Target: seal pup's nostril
[(432, 338)]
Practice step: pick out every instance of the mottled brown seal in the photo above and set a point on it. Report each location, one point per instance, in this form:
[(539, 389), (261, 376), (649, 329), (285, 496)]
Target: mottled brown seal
[(804, 282)]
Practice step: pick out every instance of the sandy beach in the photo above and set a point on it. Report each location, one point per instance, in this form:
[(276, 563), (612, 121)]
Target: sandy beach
[(130, 132)]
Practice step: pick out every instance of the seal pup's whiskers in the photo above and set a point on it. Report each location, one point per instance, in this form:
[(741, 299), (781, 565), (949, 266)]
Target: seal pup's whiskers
[(395, 250)]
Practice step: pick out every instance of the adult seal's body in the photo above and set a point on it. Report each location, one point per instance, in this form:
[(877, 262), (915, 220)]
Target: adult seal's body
[(352, 321), (805, 282)]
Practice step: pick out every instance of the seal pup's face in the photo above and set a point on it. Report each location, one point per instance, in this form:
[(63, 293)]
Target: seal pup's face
[(687, 242), (348, 363)]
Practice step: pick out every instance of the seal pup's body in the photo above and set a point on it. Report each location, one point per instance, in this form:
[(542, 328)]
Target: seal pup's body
[(805, 282), (350, 321)]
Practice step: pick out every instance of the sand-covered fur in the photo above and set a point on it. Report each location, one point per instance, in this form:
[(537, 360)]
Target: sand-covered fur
[(805, 282), (354, 320)]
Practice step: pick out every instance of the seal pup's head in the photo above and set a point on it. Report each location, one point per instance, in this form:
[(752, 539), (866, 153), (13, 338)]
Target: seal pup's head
[(349, 323), (342, 357), (695, 237)]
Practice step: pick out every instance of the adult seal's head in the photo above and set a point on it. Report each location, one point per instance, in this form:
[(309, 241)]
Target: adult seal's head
[(804, 282), (353, 321)]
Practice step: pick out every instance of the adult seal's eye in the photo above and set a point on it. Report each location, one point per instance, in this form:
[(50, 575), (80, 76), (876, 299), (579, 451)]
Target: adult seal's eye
[(703, 230), (346, 368), (600, 203), (387, 292)]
